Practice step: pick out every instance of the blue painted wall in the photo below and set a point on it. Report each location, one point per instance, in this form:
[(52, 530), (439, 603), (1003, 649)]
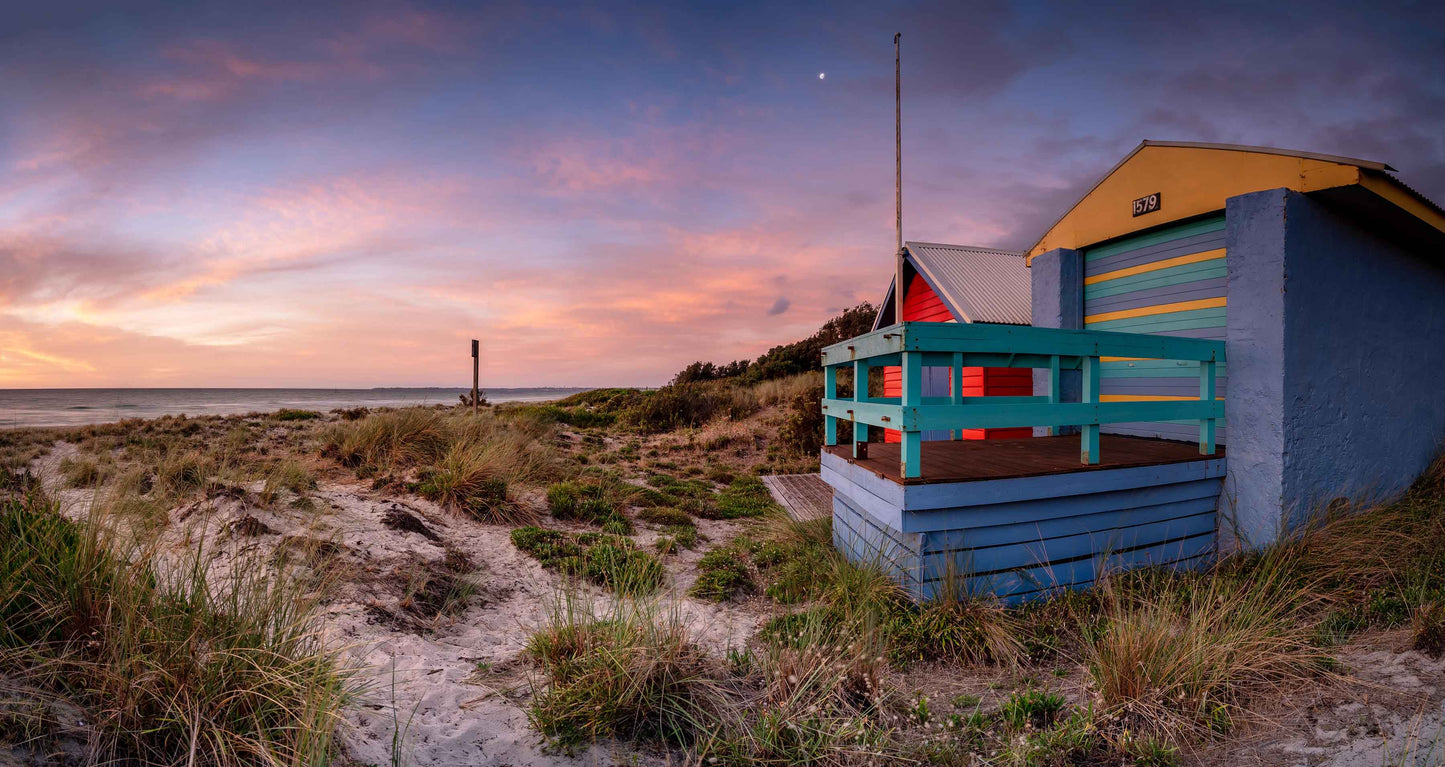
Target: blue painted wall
[(1254, 350), (1336, 346), (1057, 284)]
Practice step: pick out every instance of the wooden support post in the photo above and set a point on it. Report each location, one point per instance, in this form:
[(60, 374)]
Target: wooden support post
[(1206, 393), (830, 391), (476, 373), (1089, 437), (860, 394), (1056, 391), (956, 387), (911, 445)]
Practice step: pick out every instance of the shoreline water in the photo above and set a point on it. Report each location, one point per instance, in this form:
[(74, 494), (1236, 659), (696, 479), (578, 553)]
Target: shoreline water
[(45, 408)]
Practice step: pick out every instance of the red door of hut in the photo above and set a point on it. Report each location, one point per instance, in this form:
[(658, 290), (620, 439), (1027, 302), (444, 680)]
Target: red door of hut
[(921, 304)]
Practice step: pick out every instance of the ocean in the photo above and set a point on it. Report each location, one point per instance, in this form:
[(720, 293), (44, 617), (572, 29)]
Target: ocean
[(20, 408)]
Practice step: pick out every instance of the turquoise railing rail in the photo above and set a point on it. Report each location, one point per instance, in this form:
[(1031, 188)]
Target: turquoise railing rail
[(913, 346)]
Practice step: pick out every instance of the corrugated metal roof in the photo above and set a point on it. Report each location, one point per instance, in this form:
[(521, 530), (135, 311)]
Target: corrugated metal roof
[(981, 284), (977, 284)]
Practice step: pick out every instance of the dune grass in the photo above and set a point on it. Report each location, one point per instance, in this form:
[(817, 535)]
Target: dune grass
[(169, 667), (606, 559), (465, 463)]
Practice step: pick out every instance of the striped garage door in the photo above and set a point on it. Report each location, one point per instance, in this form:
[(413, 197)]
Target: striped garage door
[(1169, 282)]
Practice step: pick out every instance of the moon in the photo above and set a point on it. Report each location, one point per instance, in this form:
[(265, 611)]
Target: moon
[(821, 75)]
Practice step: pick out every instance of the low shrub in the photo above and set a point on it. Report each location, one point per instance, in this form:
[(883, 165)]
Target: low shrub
[(288, 414), (607, 560), (1037, 709), (802, 430), (722, 574), (598, 502), (663, 515), (747, 496)]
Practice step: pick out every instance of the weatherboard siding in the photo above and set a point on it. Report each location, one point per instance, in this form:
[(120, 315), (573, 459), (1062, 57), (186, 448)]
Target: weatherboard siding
[(1168, 282), (1022, 538), (922, 304)]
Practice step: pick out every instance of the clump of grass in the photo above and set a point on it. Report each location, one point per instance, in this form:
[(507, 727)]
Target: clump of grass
[(1034, 708), (289, 414), (607, 560), (722, 574), (465, 480), (183, 472), (1180, 656), (666, 516), (1427, 629), (747, 496), (169, 667), (465, 463), (678, 537), (83, 472), (598, 502), (631, 672), (287, 476), (966, 631)]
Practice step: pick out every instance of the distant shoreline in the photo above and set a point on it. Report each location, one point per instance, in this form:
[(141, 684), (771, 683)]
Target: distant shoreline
[(59, 408)]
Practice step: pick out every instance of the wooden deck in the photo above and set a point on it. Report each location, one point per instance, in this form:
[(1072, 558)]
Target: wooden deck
[(965, 460), (803, 496)]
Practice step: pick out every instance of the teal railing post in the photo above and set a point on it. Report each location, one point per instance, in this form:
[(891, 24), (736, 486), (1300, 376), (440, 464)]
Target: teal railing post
[(1056, 391), (911, 446), (1206, 393), (1089, 447), (860, 394), (830, 391), (956, 381)]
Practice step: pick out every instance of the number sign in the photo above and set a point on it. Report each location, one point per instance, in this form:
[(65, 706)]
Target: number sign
[(1146, 204)]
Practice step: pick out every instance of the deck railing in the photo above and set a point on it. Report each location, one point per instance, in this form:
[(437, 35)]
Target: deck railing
[(913, 346)]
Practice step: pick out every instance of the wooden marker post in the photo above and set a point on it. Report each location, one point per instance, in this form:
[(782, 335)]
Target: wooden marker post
[(476, 373)]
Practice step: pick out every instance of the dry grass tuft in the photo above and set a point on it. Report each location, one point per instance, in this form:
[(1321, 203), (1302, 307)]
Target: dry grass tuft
[(170, 668), (629, 671), (464, 463), (1181, 656)]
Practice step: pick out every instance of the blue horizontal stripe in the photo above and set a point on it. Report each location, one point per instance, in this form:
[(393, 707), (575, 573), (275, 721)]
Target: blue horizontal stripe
[(1205, 227), (1164, 294), (1154, 369)]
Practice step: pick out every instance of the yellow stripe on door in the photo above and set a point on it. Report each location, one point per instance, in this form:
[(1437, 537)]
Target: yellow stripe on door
[(1192, 258), (1145, 311)]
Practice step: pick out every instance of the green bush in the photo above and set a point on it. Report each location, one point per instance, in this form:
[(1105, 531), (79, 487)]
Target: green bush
[(607, 560), (1035, 708), (663, 515), (287, 414), (591, 502), (722, 573), (747, 496), (802, 429)]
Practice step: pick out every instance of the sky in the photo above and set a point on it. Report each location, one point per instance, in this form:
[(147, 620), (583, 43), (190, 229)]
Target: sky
[(341, 195)]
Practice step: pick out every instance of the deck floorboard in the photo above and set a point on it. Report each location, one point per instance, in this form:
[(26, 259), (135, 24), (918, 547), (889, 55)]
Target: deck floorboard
[(967, 460)]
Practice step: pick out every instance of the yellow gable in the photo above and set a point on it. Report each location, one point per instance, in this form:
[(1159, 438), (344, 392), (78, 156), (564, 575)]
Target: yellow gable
[(1195, 179)]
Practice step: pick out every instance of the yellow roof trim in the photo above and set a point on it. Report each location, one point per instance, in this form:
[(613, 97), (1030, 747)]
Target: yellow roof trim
[(1404, 198), (1195, 179)]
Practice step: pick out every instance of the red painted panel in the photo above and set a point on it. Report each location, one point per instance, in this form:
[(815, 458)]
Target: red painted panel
[(923, 305)]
